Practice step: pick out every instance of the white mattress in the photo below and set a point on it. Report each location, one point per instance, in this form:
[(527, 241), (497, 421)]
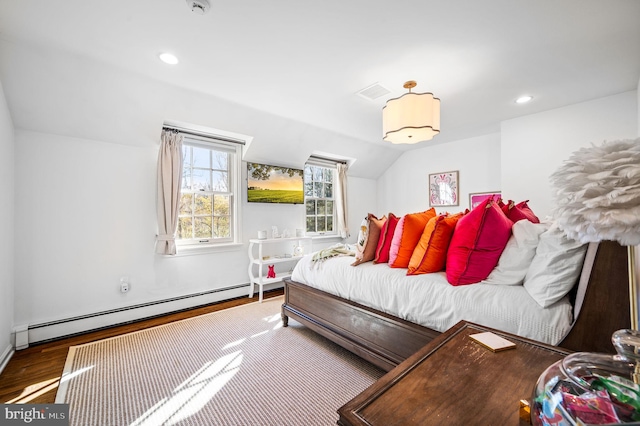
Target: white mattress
[(429, 300)]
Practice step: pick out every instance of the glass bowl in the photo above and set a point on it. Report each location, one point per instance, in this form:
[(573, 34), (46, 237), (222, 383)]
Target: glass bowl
[(587, 388)]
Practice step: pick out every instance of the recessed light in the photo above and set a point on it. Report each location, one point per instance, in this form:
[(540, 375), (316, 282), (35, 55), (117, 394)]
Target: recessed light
[(524, 99), (168, 58)]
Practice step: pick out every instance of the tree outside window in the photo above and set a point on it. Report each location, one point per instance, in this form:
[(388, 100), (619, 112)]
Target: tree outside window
[(205, 213), (319, 199)]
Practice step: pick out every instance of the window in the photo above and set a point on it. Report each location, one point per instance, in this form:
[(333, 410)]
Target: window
[(208, 200), (319, 198)]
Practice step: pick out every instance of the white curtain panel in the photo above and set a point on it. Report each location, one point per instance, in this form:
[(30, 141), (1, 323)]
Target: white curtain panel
[(341, 200), (169, 181)]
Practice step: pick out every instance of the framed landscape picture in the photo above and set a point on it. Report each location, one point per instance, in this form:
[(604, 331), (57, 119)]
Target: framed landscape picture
[(476, 198), (274, 184), (443, 189)]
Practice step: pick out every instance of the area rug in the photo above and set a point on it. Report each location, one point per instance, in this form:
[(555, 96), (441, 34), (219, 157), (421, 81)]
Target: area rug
[(238, 366)]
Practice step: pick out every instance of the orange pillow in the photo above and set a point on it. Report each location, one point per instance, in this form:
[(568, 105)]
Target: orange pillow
[(430, 255), (375, 225), (414, 224)]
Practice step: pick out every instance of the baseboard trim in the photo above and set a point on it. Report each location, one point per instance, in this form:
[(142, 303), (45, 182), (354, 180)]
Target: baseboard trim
[(67, 327), (6, 357)]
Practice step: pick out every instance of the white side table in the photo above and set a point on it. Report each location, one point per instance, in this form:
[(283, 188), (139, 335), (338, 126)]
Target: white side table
[(278, 247)]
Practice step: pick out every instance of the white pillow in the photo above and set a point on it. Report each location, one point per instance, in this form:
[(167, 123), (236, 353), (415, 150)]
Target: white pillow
[(363, 236), (517, 255), (555, 267)]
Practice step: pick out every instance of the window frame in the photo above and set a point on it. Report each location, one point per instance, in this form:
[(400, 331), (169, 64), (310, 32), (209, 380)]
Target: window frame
[(234, 190), (315, 162)]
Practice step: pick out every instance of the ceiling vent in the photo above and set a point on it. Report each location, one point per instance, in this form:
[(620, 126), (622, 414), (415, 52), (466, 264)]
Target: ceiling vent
[(373, 92), (198, 6)]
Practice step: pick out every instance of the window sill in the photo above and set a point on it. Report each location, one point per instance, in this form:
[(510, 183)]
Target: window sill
[(193, 250), (326, 237)]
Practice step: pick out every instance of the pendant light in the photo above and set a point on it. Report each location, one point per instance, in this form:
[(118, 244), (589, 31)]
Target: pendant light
[(411, 118)]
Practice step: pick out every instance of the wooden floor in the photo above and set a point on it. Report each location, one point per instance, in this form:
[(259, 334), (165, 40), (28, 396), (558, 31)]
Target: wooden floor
[(33, 374)]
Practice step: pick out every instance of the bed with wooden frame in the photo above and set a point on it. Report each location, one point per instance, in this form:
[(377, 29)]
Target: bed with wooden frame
[(600, 302)]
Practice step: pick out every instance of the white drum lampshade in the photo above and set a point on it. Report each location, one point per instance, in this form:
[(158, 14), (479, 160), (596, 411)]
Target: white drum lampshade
[(411, 118)]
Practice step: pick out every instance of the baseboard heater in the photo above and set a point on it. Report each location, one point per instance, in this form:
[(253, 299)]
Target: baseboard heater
[(68, 327)]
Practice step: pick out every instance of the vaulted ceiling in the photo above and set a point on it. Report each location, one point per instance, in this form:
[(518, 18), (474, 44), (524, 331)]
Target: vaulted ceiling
[(305, 60)]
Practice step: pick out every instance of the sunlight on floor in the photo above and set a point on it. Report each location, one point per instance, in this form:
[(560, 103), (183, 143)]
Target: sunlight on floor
[(236, 343), (194, 393), (33, 391), (260, 334), (273, 318), (69, 376), (277, 318)]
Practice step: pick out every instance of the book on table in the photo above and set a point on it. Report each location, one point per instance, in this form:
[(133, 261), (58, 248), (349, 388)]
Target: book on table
[(492, 341)]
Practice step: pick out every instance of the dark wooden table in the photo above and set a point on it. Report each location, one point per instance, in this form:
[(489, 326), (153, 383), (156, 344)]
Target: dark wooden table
[(454, 381)]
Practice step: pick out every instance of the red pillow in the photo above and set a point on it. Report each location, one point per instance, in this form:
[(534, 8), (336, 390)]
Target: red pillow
[(386, 235), (375, 225), (477, 243), (414, 224), (430, 255), (520, 211)]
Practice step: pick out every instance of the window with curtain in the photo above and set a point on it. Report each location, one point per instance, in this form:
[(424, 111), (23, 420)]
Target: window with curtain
[(208, 210), (319, 194)]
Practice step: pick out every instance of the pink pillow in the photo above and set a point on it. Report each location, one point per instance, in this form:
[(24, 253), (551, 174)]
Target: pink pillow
[(477, 243), (520, 211), (386, 235), (395, 241)]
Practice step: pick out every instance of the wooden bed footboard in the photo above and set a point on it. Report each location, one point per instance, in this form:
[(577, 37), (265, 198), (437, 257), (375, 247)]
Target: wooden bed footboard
[(382, 339), (601, 307)]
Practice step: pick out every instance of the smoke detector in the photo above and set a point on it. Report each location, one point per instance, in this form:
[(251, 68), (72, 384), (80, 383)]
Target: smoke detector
[(198, 6)]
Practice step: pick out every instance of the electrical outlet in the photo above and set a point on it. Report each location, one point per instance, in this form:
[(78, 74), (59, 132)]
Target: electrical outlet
[(124, 284)]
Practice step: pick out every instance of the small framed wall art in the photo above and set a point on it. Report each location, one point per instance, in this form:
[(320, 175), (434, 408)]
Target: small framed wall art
[(476, 198), (443, 189)]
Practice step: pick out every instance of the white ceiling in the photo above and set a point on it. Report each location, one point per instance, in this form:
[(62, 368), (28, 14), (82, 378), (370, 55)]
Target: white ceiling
[(305, 60)]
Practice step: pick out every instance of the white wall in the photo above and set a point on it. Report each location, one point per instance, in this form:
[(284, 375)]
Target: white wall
[(404, 187), (6, 226), (534, 146), (86, 212), (517, 161), (86, 150), (87, 217), (362, 200)]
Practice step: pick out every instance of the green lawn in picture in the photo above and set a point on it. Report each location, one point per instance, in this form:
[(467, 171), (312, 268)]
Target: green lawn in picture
[(275, 196)]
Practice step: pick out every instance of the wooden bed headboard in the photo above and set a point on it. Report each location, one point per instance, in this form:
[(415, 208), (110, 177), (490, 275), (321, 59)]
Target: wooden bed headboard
[(601, 299)]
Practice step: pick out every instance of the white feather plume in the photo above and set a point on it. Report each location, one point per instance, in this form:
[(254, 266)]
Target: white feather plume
[(597, 193)]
